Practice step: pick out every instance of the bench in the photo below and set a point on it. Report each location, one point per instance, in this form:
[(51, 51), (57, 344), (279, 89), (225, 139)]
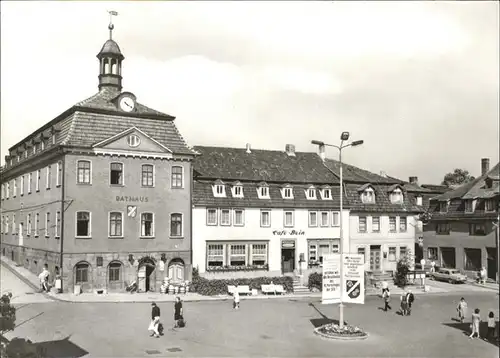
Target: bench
[(244, 289), (272, 288)]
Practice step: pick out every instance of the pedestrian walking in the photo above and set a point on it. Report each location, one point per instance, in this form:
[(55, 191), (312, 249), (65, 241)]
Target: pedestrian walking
[(476, 320), (483, 275), (491, 326), (404, 303), (236, 298), (433, 266), (462, 310), (410, 299), (387, 298), (178, 313), (44, 279), (385, 286), (155, 321)]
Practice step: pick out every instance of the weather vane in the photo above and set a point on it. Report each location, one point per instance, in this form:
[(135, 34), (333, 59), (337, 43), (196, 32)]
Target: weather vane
[(111, 26)]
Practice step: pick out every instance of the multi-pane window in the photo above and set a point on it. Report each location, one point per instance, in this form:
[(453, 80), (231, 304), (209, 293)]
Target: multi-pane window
[(83, 172), (8, 190), (402, 224), (147, 225), (259, 254), (239, 219), (238, 191), (402, 251), (443, 206), (368, 196), (177, 180), (22, 185), (220, 190), (469, 208), (81, 273), (477, 229), (30, 182), (29, 225), (116, 224), (215, 255), (48, 177), (6, 224), (237, 255), (83, 224), (327, 194), (59, 173), (37, 223), (324, 218), (335, 218), (225, 217), (313, 218), (58, 224), (392, 224), (362, 251), (489, 205), (147, 175), (397, 196), (47, 224), (392, 253), (375, 224), (288, 218), (116, 174), (311, 193), (114, 271), (443, 228), (37, 184), (211, 216), (264, 192), (176, 225), (265, 218), (313, 253), (15, 187), (287, 193), (362, 224)]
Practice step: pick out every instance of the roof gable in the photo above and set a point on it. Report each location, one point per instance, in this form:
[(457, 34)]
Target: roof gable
[(132, 139), (365, 186)]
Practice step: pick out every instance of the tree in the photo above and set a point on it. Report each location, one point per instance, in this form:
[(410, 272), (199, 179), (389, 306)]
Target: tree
[(404, 265), (458, 177)]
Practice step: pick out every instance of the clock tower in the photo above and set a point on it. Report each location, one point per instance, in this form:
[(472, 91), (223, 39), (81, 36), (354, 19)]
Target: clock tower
[(110, 64)]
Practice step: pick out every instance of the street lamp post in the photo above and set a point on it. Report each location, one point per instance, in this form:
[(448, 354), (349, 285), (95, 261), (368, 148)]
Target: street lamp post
[(343, 137)]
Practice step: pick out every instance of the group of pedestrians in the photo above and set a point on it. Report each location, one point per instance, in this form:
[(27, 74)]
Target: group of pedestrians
[(492, 332), (156, 327), (407, 298)]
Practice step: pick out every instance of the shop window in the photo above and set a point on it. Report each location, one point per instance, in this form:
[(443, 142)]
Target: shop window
[(81, 273), (215, 255), (375, 224), (114, 271), (392, 224), (177, 177), (259, 254), (392, 253), (116, 174), (362, 224), (237, 255), (211, 216), (472, 259), (147, 175)]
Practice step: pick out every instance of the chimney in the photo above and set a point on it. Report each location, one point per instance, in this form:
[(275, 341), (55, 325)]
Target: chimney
[(322, 153), (249, 148), (290, 150), (383, 174), (485, 165), (414, 180)]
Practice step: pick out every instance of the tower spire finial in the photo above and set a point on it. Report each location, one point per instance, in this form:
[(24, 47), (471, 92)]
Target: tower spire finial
[(111, 26)]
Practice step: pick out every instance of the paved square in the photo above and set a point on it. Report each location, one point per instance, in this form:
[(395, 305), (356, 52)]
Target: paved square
[(275, 328)]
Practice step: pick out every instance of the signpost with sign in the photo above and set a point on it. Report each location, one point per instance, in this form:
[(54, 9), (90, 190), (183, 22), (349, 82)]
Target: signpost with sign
[(331, 279), (353, 278)]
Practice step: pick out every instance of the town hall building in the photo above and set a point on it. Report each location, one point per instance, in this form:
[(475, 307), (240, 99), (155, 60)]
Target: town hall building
[(101, 193)]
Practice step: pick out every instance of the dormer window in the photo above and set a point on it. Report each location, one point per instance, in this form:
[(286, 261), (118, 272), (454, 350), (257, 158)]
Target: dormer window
[(397, 196), (489, 205), (287, 192), (311, 193), (419, 200), (219, 189), (326, 193), (368, 196), (469, 206), (443, 206), (237, 190), (263, 191)]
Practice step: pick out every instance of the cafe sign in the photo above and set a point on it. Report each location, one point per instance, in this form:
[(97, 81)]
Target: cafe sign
[(288, 233)]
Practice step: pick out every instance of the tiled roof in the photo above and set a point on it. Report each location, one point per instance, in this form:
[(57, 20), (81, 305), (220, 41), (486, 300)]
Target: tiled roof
[(456, 210), (261, 165), (436, 188), (358, 175)]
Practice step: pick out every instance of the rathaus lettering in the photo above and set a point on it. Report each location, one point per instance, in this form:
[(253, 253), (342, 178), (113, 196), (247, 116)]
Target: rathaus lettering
[(132, 199)]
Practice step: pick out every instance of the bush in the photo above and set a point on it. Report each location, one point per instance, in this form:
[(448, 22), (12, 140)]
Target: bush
[(403, 267), (315, 281), (208, 287), (7, 313)]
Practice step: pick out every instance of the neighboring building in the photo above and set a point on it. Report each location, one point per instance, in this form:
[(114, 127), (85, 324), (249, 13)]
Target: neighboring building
[(463, 229), (101, 193), (267, 213)]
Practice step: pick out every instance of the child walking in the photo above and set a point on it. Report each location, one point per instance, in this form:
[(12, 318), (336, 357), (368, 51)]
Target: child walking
[(491, 326), (387, 298), (462, 310), (476, 320)]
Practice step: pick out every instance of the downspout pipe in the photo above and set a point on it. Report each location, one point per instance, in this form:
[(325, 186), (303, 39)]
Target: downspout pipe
[(61, 230)]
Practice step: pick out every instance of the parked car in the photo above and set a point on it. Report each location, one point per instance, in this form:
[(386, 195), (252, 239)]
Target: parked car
[(449, 275)]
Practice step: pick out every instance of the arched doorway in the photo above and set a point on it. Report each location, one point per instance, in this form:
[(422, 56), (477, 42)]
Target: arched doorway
[(176, 270), (146, 275)]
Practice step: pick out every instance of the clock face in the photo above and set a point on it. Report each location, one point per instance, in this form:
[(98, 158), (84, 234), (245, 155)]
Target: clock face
[(127, 104)]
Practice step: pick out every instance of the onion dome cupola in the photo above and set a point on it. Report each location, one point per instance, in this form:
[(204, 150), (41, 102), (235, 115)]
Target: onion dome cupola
[(110, 63)]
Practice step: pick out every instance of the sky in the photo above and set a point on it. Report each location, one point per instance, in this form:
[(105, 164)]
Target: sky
[(417, 81)]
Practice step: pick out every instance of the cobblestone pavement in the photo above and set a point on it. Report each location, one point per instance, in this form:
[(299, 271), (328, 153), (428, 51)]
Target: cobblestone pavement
[(276, 328), (21, 292)]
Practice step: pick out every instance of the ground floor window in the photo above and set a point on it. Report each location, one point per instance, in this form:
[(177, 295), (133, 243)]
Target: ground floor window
[(236, 255), (392, 253), (81, 273), (114, 271), (320, 247), (472, 259), (432, 253), (402, 252)]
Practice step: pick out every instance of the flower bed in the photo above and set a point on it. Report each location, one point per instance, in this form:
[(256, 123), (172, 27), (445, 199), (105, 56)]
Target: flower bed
[(334, 331), (208, 287), (237, 268)]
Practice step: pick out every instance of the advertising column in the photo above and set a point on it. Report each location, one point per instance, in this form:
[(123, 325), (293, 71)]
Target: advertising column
[(353, 279), (331, 279)]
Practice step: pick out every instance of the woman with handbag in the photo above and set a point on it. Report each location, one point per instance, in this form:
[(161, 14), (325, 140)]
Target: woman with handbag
[(178, 313)]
